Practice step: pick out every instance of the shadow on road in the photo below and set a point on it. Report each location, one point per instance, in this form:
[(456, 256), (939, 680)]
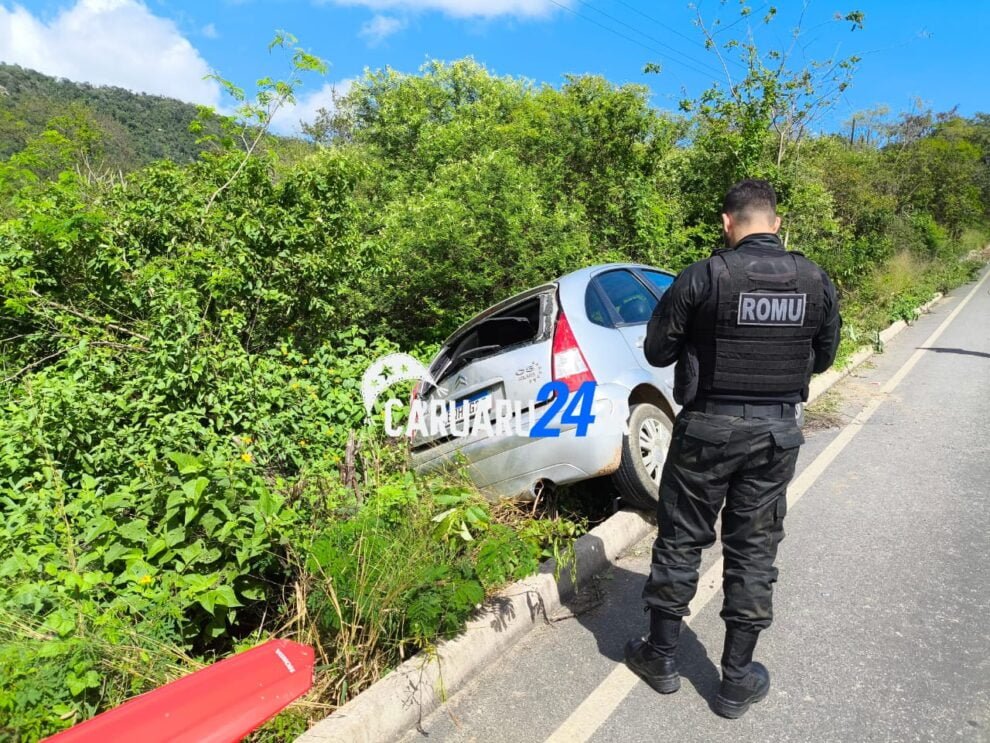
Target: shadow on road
[(961, 351), (612, 611)]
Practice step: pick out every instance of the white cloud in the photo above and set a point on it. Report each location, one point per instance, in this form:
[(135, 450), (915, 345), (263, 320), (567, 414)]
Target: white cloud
[(286, 120), (108, 42), (381, 27), (210, 31), (464, 8)]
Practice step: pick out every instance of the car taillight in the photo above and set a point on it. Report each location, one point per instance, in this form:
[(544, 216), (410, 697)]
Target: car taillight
[(569, 364)]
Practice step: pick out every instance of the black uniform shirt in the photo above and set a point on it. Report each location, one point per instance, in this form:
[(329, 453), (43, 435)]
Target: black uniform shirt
[(669, 333)]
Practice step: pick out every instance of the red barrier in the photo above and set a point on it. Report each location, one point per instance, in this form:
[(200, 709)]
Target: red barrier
[(223, 702)]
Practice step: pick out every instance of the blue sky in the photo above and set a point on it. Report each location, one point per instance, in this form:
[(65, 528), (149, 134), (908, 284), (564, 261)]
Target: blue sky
[(910, 48)]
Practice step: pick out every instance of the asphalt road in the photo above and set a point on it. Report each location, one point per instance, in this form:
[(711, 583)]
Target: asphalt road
[(882, 628)]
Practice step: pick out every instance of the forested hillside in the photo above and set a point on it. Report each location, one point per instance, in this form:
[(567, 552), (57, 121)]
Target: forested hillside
[(185, 467), (134, 129)]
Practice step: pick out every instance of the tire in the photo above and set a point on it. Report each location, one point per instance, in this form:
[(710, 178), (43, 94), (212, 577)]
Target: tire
[(638, 476)]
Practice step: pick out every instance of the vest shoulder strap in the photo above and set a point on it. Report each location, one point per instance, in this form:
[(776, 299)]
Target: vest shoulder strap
[(809, 278)]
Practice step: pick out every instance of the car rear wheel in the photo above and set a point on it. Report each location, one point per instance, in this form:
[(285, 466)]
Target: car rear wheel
[(644, 450)]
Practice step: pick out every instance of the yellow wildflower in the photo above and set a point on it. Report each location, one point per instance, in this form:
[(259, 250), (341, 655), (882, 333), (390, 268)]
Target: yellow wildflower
[(246, 456), (302, 442), (246, 440), (146, 580), (305, 361)]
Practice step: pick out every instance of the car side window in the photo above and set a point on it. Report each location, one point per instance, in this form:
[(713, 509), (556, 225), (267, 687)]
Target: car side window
[(659, 280), (632, 302), (594, 308)]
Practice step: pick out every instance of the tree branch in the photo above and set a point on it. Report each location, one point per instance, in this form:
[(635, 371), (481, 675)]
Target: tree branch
[(90, 318), (710, 42), (33, 365), (262, 131)]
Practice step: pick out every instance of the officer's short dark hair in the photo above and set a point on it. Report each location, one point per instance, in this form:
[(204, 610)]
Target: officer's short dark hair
[(748, 198)]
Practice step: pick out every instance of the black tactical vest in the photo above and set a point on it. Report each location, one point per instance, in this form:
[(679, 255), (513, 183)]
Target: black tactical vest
[(767, 310)]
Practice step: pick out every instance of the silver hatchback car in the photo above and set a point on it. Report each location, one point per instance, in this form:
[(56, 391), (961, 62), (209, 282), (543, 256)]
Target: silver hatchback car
[(588, 325)]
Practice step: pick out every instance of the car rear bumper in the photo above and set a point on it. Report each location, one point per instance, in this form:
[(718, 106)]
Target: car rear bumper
[(510, 466)]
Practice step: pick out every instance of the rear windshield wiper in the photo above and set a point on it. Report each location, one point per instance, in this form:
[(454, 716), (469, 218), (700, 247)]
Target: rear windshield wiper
[(474, 353), (489, 326), (461, 359)]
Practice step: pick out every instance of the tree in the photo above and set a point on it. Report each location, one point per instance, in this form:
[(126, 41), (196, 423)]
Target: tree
[(751, 123), (773, 94)]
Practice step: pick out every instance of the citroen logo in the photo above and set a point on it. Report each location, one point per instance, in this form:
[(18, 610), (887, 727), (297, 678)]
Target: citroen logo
[(459, 382)]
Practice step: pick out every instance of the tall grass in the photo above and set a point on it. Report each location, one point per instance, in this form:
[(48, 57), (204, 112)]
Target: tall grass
[(908, 279)]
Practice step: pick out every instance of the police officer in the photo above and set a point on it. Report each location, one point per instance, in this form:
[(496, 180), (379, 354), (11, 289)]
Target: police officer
[(746, 327)]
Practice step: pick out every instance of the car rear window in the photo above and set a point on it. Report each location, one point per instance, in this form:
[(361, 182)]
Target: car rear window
[(510, 327), (660, 281), (632, 302)]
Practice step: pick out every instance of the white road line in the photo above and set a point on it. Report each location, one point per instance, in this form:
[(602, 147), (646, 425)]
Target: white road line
[(603, 701)]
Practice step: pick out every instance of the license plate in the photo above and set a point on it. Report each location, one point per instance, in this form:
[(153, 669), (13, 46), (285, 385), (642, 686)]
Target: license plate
[(470, 406)]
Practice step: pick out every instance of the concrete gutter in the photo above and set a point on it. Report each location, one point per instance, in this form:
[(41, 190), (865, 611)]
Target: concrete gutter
[(398, 702)]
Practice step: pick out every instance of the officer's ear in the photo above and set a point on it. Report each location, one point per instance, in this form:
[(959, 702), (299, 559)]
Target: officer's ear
[(776, 225), (726, 222)]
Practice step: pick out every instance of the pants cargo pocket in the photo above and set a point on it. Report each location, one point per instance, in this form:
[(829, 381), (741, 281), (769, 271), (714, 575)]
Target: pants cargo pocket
[(776, 534), (703, 443), (666, 512), (787, 442), (788, 438)]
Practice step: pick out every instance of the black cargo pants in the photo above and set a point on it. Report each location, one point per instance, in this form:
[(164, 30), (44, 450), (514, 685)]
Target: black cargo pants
[(743, 463)]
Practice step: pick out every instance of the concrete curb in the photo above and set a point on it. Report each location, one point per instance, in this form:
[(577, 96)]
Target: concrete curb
[(398, 702)]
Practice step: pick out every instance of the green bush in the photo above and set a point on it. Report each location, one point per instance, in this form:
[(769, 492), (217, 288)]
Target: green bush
[(184, 464)]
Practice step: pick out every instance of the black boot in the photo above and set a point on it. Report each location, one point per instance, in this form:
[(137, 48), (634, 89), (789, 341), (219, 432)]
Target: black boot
[(743, 681), (653, 659)]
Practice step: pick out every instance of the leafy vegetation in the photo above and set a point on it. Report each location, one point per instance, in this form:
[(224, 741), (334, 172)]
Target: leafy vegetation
[(185, 467)]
